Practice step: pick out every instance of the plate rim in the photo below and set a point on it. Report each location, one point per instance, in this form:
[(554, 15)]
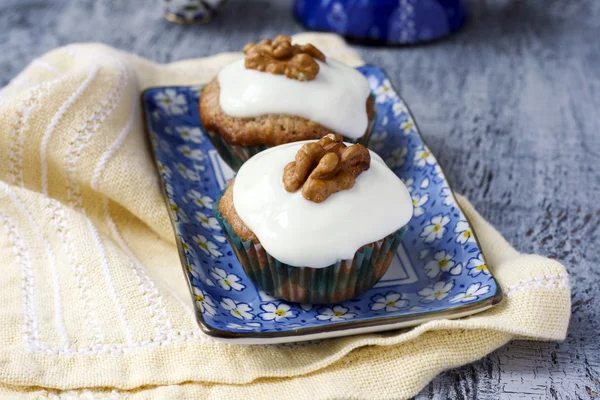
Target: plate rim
[(331, 330)]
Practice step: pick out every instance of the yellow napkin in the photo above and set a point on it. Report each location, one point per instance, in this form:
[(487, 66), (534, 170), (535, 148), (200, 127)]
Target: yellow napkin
[(93, 300)]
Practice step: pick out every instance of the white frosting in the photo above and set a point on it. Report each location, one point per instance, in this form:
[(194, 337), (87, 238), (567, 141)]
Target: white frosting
[(300, 232), (335, 99)]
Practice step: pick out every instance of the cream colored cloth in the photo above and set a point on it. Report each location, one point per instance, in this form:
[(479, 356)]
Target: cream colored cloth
[(93, 302)]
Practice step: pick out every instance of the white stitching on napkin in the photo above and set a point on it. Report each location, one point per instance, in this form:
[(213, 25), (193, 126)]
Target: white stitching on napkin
[(153, 298), (75, 198), (124, 348), (552, 281), (52, 264), (56, 119), (91, 319), (103, 162), (30, 326), (84, 134), (20, 125), (30, 329), (107, 155), (109, 283)]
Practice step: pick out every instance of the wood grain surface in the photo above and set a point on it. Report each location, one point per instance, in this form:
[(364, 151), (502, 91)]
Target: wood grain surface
[(510, 105)]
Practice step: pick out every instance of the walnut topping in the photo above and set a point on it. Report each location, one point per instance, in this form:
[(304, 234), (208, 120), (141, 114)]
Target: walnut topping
[(325, 167), (280, 57)]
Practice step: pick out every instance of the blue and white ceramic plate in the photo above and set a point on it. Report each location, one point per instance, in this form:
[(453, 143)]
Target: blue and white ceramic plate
[(439, 270)]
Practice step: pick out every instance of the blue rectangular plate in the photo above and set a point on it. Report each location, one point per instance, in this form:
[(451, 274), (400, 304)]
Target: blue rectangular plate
[(439, 271)]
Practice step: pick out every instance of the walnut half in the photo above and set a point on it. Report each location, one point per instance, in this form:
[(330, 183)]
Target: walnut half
[(325, 167), (280, 57)]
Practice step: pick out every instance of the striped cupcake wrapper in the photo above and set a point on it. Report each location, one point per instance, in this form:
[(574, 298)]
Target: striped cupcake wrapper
[(338, 282), (235, 156)]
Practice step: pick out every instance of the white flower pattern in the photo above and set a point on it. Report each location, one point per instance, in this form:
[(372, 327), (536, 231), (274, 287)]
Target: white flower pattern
[(437, 291), (424, 157), (384, 92), (442, 261), (407, 126), (206, 221), (226, 280), (207, 246), (471, 294), (194, 154), (464, 232), (241, 311), (398, 108), (179, 214), (171, 102), (335, 313), (418, 202), (220, 238), (170, 190), (446, 193), (438, 174), (187, 173), (164, 170), (435, 229), (190, 134), (200, 199), (199, 274), (390, 302), (478, 266), (204, 302), (250, 326), (277, 313)]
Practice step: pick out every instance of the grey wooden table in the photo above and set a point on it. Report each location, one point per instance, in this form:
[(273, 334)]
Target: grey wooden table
[(510, 105)]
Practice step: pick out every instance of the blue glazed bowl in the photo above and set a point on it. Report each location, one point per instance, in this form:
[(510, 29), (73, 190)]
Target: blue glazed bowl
[(388, 21)]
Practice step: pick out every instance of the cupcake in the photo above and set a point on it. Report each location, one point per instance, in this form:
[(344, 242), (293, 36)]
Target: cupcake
[(282, 93), (315, 221)]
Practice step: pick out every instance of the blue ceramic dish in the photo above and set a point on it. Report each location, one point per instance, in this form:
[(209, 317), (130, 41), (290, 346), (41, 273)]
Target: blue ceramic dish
[(438, 272), (389, 21)]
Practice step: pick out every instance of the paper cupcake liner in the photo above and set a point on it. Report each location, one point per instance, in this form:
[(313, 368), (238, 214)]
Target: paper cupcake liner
[(338, 282), (235, 156)]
